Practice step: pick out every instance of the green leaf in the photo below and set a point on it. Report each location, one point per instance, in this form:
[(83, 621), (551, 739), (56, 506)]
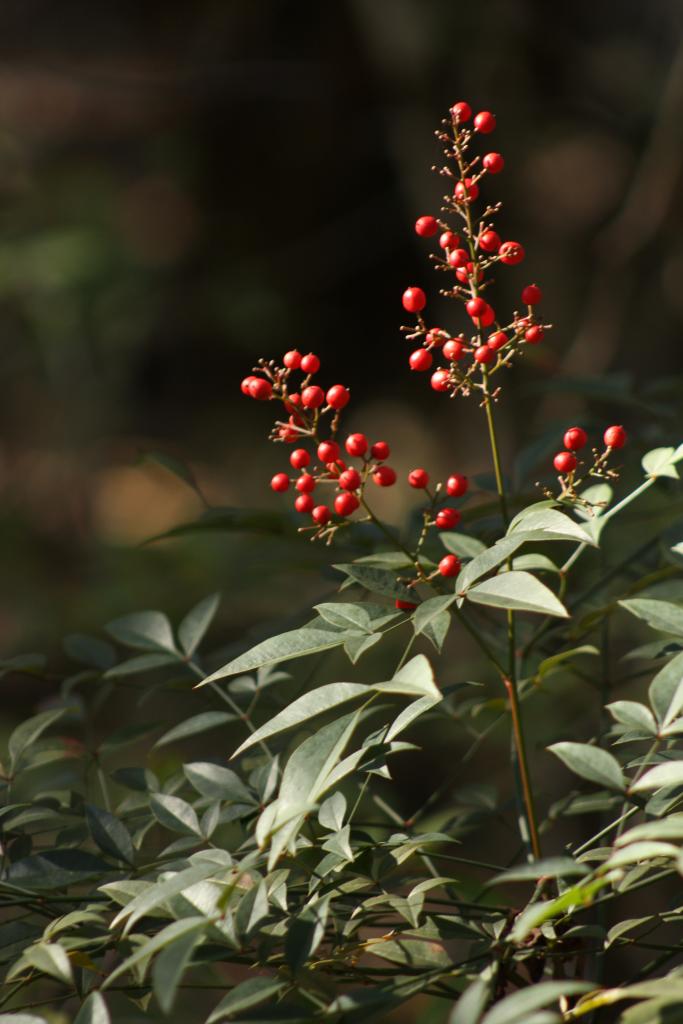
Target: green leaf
[(295, 644), (51, 959), (661, 462), (332, 811), (140, 663), (21, 1018), (433, 619), (416, 678), (56, 869), (489, 559), (172, 465), (359, 615), (665, 690), (29, 731), (305, 932), (668, 828), (591, 763), (357, 644), (195, 624), (472, 1002), (670, 773), (661, 615), (410, 714), (175, 814), (550, 867), (110, 834), (549, 524), (555, 660), (153, 896), (636, 853), (461, 545), (169, 967), (93, 1011), (194, 726), (147, 631), (633, 715), (515, 1009), (517, 591), (89, 650), (217, 783), (228, 520), (377, 581), (244, 996), (165, 937), (310, 704)]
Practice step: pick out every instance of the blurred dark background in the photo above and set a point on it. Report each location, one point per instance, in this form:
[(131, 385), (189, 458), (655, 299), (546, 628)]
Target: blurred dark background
[(186, 186)]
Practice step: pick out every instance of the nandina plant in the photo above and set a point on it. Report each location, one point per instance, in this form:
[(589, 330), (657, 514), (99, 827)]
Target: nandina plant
[(292, 884)]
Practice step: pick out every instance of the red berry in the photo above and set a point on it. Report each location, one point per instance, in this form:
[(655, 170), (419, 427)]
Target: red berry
[(404, 606), (310, 363), (328, 451), (414, 299), (288, 434), (531, 295), (457, 485), (418, 478), (484, 354), (464, 274), (564, 462), (615, 437), (299, 458), (349, 480), (441, 380), (260, 389), (420, 359), (466, 191), (280, 482), (426, 227), (321, 515), (304, 503), (380, 450), (458, 258), (497, 340), (312, 397), (486, 319), (489, 241), (292, 360), (494, 163), (447, 518), (484, 122), (246, 383), (476, 306), (461, 111), (338, 396), (305, 484), (534, 334), (511, 253), (449, 565), (435, 337), (356, 444), (449, 240), (384, 476), (575, 438), (345, 504), (453, 350)]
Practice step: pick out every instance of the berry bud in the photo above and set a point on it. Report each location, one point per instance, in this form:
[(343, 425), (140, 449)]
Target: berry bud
[(449, 240), (384, 476), (280, 482), (484, 354), (534, 334), (449, 565), (457, 485), (425, 227), (441, 380), (356, 444), (489, 241), (447, 518), (305, 484), (328, 451), (420, 359), (310, 363), (564, 462), (345, 504), (349, 480), (304, 503), (494, 163), (615, 437), (418, 478), (380, 450), (321, 515), (404, 606), (497, 340), (299, 458), (511, 253), (414, 299), (484, 122), (575, 438), (453, 350), (312, 397), (531, 295), (260, 389), (292, 360), (338, 396), (461, 112)]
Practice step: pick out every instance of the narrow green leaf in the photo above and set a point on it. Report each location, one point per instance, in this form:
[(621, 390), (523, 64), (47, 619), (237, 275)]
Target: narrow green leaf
[(195, 624), (636, 853), (670, 773), (29, 731), (668, 828), (472, 1003), (170, 965), (56, 869), (661, 615), (140, 663), (549, 524), (110, 834), (89, 650), (665, 690), (489, 559), (661, 462), (377, 581), (295, 644), (555, 660), (517, 591), (305, 932), (591, 763), (332, 811), (461, 545), (356, 645), (357, 615), (633, 715), (244, 996), (143, 630), (50, 958), (200, 723), (153, 896), (93, 1011), (410, 714), (165, 937), (516, 1008), (217, 783), (175, 814), (430, 616), (415, 678), (550, 867)]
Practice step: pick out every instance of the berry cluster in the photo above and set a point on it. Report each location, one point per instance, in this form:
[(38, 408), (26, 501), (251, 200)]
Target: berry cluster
[(572, 472), (320, 462), (471, 357)]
